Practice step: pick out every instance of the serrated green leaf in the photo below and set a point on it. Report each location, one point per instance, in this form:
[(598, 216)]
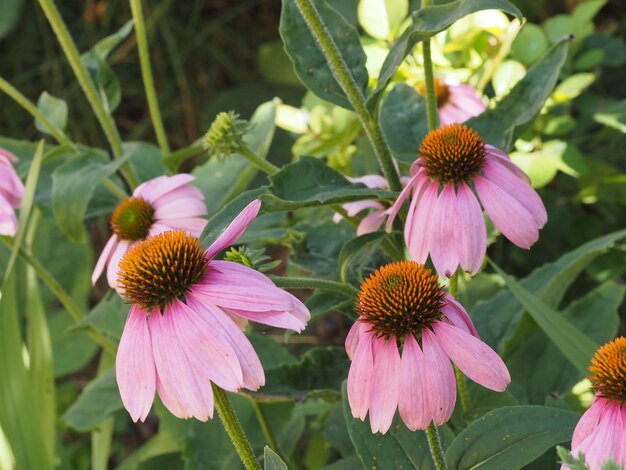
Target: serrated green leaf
[(510, 437), (524, 100), (573, 343), (426, 23), (310, 63)]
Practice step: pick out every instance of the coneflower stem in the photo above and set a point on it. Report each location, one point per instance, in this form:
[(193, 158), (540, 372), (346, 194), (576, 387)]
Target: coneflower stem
[(429, 81), (466, 401), (148, 79), (257, 161), (354, 94), (436, 451), (267, 432), (234, 430)]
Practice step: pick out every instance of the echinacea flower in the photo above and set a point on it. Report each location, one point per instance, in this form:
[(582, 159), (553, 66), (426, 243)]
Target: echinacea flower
[(445, 218), (376, 217), (183, 328), (601, 432), (403, 306), (11, 193), (158, 205), (456, 102)]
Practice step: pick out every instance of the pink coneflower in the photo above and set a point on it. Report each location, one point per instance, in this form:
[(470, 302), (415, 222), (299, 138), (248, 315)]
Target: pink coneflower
[(445, 218), (456, 102), (372, 221), (158, 205), (601, 432), (402, 305), (11, 193), (183, 329)]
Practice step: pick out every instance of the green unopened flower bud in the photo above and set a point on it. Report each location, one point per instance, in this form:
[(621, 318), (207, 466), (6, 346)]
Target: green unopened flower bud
[(254, 259), (225, 136)]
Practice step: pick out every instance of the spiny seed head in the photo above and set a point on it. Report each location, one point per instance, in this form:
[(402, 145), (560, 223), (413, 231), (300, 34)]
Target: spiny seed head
[(161, 269), (442, 92), (132, 219), (608, 369), (225, 136), (400, 298), (452, 153)]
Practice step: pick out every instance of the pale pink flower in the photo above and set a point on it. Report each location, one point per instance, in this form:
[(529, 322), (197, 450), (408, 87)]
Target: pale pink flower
[(158, 205), (11, 193), (403, 305), (455, 170), (183, 330), (601, 432), (456, 102), (376, 217)]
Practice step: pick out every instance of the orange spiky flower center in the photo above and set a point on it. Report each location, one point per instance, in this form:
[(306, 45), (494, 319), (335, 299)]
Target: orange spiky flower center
[(442, 92), (608, 369), (399, 299), (161, 268), (452, 153), (132, 219)]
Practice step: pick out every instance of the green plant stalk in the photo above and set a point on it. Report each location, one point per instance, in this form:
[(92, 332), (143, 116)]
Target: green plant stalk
[(148, 79), (461, 385), (63, 297), (257, 161), (234, 430), (71, 53), (57, 134), (29, 106), (355, 96), (313, 283), (267, 432), (434, 444), (429, 81), (176, 158)]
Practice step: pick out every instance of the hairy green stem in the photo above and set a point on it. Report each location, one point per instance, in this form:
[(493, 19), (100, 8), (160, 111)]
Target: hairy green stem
[(148, 79), (461, 385), (71, 53), (313, 283), (434, 444), (234, 430), (176, 158), (267, 432), (429, 81), (257, 161), (354, 94), (66, 300)]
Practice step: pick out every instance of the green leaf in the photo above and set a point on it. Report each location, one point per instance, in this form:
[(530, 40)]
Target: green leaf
[(98, 401), (359, 255), (310, 63), (402, 118), (108, 317), (530, 44), (548, 283), (269, 351), (323, 303), (572, 87), (54, 109), (398, 448), (539, 369), (11, 12), (72, 351), (318, 368), (506, 76), (613, 116), (524, 101), (310, 182), (510, 437), (272, 461), (426, 23), (382, 18), (573, 343), (73, 184)]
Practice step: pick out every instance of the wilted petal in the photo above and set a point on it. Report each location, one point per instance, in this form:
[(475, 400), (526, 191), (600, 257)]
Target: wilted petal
[(104, 258)]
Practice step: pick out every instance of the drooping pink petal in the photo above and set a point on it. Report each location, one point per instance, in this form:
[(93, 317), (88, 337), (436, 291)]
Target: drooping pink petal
[(465, 97), (182, 192), (602, 444), (439, 381), (184, 208), (155, 188), (385, 386), (227, 272), (443, 232), (507, 213), (10, 156), (235, 229), (134, 366), (589, 421), (11, 186), (210, 356), (418, 192), (395, 208), (353, 208), (471, 232), (498, 155), (176, 375), (114, 261), (456, 315), (360, 377), (8, 220), (241, 297), (371, 222), (419, 242), (371, 181), (104, 258), (413, 400), (477, 360), (354, 335)]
